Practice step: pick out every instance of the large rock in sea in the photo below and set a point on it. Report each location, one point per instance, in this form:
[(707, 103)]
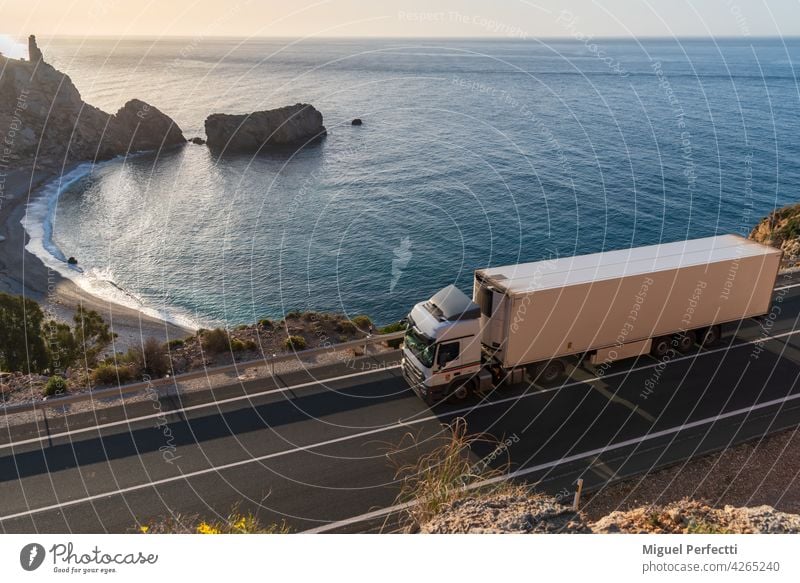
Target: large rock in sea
[(292, 126), (42, 115)]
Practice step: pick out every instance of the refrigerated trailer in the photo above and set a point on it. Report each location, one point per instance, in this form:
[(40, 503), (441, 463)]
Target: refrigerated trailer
[(532, 320)]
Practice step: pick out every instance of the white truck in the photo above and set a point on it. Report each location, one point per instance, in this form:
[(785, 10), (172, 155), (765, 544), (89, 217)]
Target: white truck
[(536, 319)]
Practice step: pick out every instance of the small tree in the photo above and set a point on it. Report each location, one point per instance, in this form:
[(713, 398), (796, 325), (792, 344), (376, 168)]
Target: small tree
[(62, 345), (22, 342), (91, 333)]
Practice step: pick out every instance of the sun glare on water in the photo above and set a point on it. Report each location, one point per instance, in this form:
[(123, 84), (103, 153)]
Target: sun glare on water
[(12, 48)]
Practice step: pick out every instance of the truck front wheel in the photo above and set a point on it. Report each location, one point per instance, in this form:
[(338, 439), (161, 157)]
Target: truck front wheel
[(460, 389)]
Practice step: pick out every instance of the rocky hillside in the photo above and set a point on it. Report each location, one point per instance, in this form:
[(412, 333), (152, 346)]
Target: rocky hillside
[(43, 116), (781, 229), (516, 512)]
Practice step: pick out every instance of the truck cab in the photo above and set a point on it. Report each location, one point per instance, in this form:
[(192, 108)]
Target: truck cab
[(442, 346)]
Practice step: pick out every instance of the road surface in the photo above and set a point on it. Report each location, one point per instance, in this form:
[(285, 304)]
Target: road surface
[(310, 447)]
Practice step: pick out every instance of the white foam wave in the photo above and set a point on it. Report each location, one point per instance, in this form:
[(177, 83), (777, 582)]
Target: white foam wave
[(98, 281)]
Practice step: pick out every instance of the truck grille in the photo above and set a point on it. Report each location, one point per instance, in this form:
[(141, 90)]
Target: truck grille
[(412, 375)]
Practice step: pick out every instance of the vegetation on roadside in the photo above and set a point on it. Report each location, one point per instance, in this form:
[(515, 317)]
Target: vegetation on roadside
[(30, 344), (236, 522), (433, 480)]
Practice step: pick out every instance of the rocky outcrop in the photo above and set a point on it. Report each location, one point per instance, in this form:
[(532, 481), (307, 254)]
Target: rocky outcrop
[(506, 513), (148, 128), (292, 126), (43, 116), (516, 513), (781, 229)]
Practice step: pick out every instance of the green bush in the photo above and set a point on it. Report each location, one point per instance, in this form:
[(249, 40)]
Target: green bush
[(216, 341), (154, 360), (56, 385), (293, 315), (311, 316), (345, 327), (108, 374), (237, 345), (176, 343), (362, 322), (265, 323), (250, 345), (394, 327), (295, 343)]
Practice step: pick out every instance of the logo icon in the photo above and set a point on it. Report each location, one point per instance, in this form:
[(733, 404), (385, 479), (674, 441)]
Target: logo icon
[(402, 255), (31, 556)]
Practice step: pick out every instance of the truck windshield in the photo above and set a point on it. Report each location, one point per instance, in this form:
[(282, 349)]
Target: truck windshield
[(420, 346)]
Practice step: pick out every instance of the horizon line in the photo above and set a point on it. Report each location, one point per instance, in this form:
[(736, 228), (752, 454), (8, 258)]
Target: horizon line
[(518, 38)]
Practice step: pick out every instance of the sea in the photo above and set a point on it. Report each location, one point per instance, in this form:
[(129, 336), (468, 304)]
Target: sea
[(472, 153)]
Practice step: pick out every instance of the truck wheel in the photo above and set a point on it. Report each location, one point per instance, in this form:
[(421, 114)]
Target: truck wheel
[(684, 341), (661, 346), (552, 372), (711, 336), (460, 389)]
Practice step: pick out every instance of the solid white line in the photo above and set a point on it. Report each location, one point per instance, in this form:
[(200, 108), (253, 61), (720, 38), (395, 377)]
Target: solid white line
[(786, 287), (576, 457), (422, 420), (161, 415)]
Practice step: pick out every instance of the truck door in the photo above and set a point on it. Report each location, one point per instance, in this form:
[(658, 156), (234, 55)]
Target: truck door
[(448, 360)]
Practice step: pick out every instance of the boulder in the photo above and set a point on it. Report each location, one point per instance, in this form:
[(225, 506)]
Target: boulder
[(197, 141), (356, 122), (286, 127)]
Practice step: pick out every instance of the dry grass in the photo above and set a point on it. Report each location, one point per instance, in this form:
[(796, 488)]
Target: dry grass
[(435, 480)]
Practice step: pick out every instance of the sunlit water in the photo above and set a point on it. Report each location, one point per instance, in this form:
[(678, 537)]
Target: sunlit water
[(472, 153)]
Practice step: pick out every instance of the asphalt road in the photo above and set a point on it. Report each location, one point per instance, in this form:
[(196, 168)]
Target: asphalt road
[(310, 448)]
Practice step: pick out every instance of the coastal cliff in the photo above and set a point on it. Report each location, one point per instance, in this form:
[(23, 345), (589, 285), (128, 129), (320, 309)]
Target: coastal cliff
[(285, 127), (781, 229), (43, 117)]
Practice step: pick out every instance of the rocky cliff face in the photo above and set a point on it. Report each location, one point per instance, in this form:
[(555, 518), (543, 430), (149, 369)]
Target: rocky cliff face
[(517, 513), (43, 116), (781, 229), (287, 127)]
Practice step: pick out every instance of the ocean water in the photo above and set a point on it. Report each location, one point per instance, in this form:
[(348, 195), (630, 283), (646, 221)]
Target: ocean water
[(472, 153)]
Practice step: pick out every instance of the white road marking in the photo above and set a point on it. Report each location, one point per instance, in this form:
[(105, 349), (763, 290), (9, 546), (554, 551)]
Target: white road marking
[(401, 425), (565, 460), (161, 415)]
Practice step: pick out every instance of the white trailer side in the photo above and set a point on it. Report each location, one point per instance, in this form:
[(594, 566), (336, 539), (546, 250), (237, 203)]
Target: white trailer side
[(537, 311)]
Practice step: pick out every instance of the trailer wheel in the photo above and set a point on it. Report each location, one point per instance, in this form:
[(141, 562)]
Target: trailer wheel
[(552, 372), (711, 336), (661, 346), (684, 341)]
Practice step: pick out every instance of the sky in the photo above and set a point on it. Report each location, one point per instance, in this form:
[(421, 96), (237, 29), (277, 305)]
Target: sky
[(400, 18)]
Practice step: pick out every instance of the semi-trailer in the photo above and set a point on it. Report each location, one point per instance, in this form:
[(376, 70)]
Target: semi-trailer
[(533, 320)]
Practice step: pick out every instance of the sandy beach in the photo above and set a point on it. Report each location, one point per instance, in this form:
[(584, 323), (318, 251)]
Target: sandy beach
[(23, 273)]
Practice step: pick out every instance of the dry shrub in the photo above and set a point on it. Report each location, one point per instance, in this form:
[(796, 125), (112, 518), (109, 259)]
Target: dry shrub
[(436, 479)]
